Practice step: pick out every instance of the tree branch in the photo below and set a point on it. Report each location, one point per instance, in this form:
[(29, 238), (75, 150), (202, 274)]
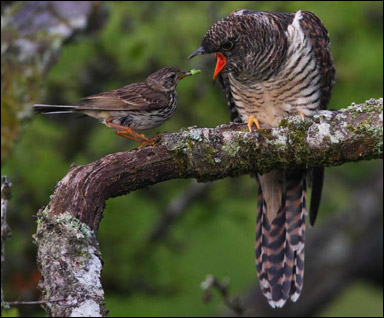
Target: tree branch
[(330, 138), (69, 259), (212, 282), (68, 251)]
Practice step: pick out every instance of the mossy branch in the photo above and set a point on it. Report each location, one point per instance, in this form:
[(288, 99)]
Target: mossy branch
[(329, 138)]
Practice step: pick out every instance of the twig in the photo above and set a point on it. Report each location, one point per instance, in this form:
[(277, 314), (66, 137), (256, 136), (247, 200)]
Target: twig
[(5, 229), (212, 282), (34, 302)]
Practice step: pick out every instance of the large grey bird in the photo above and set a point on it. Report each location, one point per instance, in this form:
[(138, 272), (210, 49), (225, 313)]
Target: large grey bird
[(138, 106), (272, 65)]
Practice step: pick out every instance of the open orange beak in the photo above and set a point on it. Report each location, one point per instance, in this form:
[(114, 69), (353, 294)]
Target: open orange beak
[(221, 61)]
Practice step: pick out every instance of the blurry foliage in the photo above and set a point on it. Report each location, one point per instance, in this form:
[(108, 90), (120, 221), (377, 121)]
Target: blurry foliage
[(32, 33), (216, 236)]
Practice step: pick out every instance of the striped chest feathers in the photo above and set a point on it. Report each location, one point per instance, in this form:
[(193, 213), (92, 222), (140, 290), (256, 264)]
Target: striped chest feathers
[(142, 119), (294, 89)]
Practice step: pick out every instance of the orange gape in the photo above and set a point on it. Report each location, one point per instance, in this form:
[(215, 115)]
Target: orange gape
[(220, 63)]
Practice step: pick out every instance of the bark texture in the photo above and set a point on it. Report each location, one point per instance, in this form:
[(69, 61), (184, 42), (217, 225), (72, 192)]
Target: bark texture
[(70, 263), (330, 138), (68, 252)]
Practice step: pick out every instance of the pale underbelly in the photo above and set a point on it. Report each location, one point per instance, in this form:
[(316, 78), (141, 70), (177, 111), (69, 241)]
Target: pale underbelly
[(270, 110)]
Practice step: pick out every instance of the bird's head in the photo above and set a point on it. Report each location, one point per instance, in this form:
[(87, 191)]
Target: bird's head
[(242, 43), (166, 78)]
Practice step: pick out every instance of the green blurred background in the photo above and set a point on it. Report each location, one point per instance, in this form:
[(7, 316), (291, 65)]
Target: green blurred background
[(216, 233)]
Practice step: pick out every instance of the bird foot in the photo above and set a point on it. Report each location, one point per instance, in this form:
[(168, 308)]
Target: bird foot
[(302, 116), (157, 137), (145, 143), (152, 142), (253, 121)]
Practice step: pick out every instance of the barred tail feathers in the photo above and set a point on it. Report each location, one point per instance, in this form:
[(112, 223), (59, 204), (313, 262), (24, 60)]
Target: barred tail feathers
[(262, 226), (296, 207), (280, 236)]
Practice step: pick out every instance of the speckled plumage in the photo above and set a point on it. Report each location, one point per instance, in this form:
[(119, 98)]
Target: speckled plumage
[(276, 65), (138, 106)]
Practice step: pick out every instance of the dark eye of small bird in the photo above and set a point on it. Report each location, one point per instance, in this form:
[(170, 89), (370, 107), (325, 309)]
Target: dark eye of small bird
[(172, 76), (228, 45)]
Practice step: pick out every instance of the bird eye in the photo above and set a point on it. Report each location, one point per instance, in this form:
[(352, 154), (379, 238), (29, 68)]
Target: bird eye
[(228, 45), (172, 76)]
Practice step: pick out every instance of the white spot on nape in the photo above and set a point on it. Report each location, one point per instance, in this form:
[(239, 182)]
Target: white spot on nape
[(298, 16), (294, 31), (238, 12), (295, 297)]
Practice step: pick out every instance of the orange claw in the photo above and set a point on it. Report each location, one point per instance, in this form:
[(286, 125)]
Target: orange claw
[(144, 141), (302, 116), (253, 120), (147, 143)]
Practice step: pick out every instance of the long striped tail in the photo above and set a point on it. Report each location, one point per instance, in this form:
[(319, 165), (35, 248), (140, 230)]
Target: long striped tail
[(280, 237), (55, 109)]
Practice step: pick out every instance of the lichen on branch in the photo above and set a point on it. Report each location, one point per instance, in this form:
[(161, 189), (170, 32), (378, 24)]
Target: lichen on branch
[(67, 227), (330, 138), (70, 262)]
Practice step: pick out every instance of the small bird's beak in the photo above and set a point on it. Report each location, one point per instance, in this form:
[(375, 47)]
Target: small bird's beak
[(221, 61), (184, 74), (199, 51)]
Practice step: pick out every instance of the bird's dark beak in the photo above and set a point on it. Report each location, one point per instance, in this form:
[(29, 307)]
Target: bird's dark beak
[(199, 51)]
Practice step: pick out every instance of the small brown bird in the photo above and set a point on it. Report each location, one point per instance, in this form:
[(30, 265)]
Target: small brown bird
[(138, 106), (273, 65)]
